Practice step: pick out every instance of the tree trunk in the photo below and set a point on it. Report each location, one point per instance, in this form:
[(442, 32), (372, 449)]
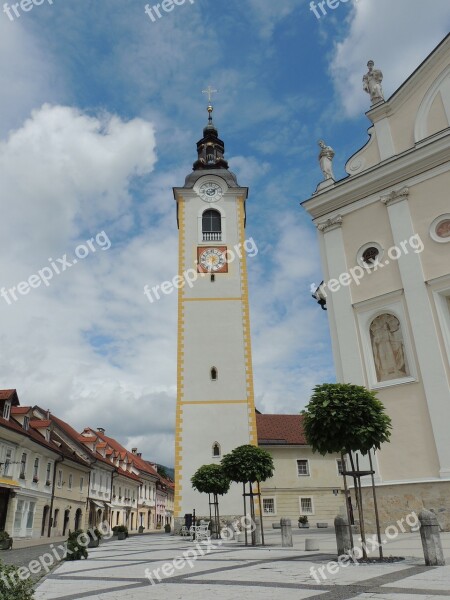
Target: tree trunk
[(358, 504)]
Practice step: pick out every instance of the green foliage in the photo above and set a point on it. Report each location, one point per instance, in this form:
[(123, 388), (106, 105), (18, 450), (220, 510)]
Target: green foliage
[(76, 545), (303, 519), (95, 534), (342, 417), (12, 587), (167, 528), (248, 464), (120, 529), (4, 536), (210, 479)]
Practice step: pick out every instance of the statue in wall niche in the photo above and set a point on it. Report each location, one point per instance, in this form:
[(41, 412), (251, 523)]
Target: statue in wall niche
[(372, 83), (388, 348), (326, 160)]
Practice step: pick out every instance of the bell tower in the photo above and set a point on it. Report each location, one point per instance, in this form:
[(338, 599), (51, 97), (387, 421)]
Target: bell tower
[(215, 399)]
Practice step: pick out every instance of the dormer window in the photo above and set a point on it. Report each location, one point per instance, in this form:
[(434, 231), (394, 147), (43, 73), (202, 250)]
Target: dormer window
[(26, 423), (7, 410)]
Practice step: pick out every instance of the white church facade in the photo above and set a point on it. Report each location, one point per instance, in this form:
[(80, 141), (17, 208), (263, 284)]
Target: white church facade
[(384, 237)]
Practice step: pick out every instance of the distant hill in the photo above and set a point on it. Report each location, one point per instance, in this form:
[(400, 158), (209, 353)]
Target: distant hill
[(170, 471)]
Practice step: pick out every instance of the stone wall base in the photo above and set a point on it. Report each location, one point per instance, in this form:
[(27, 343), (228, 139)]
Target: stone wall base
[(397, 502)]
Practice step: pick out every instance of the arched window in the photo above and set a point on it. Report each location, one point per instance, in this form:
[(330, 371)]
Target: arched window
[(216, 452), (214, 374), (212, 226), (388, 348)]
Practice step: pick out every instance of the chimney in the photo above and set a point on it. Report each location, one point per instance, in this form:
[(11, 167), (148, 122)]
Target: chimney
[(139, 454), (134, 450), (100, 429)]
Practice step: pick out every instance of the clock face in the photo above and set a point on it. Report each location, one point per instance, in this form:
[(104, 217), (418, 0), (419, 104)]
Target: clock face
[(210, 191), (212, 260)]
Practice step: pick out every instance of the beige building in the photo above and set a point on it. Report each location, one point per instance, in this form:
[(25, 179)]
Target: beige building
[(384, 237), (304, 484)]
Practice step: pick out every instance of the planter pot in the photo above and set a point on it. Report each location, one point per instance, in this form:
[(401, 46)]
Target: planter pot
[(94, 543), (303, 525), (121, 535), (6, 544), (322, 525), (141, 529)]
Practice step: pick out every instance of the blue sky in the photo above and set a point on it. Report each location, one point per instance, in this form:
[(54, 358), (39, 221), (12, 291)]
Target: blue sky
[(101, 111)]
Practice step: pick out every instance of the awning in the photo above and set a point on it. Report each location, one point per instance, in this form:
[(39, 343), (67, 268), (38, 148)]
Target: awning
[(9, 483), (100, 504)]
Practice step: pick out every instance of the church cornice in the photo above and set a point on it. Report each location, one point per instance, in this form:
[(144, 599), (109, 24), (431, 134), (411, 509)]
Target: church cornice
[(392, 173)]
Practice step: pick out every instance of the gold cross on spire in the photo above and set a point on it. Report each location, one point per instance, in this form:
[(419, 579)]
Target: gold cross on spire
[(210, 91)]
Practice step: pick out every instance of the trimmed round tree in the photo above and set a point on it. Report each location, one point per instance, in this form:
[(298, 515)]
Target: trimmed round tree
[(344, 418), (248, 465), (211, 479)]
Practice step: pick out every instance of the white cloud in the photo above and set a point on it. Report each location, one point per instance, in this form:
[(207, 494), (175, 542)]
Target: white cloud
[(396, 35)]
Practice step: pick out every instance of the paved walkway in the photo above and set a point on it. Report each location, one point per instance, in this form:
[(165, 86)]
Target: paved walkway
[(231, 571)]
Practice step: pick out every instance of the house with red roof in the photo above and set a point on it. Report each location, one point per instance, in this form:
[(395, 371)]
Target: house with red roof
[(304, 483)]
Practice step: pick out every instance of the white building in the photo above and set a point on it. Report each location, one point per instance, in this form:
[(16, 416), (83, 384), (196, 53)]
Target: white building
[(384, 236), (215, 404)]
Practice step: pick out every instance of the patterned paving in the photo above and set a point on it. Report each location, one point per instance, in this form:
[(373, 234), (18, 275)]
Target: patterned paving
[(228, 571)]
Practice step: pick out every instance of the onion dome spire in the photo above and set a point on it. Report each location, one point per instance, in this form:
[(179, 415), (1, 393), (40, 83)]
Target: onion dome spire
[(210, 148)]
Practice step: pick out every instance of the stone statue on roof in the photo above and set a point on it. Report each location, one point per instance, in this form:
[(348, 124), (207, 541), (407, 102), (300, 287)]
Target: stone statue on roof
[(372, 83)]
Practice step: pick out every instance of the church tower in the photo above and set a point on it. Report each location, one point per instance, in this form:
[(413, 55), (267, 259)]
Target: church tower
[(215, 401)]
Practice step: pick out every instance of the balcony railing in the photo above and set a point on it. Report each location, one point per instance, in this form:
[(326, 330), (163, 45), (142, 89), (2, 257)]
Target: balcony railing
[(212, 236)]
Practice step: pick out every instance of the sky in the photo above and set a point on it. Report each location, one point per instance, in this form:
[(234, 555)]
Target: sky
[(101, 109)]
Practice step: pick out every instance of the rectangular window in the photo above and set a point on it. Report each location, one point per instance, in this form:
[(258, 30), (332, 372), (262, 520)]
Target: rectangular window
[(18, 515), (269, 506), (30, 515), (302, 468), (55, 520), (23, 466), (306, 506), (7, 410), (60, 475), (48, 474), (93, 481), (81, 483), (8, 458), (36, 470), (70, 481), (341, 465)]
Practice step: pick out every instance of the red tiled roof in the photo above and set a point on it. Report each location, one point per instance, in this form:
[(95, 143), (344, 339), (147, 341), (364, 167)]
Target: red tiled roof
[(72, 433), (38, 424), (10, 395), (280, 430), (20, 410)]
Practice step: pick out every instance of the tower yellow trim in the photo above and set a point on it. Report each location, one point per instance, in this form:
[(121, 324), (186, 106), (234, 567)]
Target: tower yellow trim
[(246, 324), (180, 361)]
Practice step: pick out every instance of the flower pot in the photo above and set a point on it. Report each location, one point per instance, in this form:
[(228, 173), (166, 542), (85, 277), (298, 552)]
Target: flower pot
[(303, 525), (121, 535), (6, 544), (141, 529), (94, 543)]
